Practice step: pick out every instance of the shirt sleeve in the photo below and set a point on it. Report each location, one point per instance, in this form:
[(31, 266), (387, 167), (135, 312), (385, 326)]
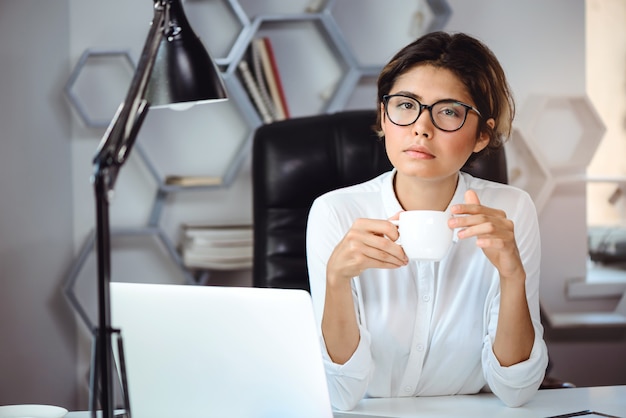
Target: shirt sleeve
[(347, 383), (516, 384)]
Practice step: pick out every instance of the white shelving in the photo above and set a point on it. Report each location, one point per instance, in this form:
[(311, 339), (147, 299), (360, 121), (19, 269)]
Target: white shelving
[(97, 85), (527, 170), (565, 129)]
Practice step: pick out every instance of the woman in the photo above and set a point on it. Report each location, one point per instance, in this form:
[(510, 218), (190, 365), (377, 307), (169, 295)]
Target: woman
[(391, 327)]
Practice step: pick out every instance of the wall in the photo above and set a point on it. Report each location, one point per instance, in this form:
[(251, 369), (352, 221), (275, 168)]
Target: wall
[(37, 328)]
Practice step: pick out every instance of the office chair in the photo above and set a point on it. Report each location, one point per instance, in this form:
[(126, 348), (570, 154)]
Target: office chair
[(296, 160)]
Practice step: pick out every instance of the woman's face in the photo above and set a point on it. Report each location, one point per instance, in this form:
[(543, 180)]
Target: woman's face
[(420, 149)]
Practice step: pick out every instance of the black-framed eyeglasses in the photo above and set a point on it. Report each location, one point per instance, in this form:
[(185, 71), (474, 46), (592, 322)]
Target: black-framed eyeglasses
[(447, 115)]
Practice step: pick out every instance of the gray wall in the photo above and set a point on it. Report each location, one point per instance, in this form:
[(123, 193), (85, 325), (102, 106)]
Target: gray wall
[(37, 329)]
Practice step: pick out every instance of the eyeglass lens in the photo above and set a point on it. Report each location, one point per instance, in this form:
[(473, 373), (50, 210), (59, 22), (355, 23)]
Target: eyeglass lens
[(447, 115)]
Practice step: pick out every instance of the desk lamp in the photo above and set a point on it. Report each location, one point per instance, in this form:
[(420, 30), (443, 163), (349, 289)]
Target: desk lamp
[(174, 68)]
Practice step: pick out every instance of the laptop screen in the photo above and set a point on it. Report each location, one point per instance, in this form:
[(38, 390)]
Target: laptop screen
[(204, 351)]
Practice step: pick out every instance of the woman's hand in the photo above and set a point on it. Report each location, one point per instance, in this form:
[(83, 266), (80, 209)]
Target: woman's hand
[(494, 233), (369, 243)]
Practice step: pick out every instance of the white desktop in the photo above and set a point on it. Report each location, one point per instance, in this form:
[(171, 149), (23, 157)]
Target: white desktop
[(562, 403), (605, 401)]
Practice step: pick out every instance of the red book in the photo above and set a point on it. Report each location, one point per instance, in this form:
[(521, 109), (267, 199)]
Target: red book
[(276, 76)]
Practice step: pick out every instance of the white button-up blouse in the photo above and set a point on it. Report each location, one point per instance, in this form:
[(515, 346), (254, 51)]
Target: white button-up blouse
[(427, 328)]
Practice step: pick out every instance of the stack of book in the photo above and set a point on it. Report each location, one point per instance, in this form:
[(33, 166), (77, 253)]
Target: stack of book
[(260, 76), (216, 247)]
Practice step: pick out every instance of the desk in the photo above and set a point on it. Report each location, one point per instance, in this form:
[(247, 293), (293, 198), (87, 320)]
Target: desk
[(547, 402)]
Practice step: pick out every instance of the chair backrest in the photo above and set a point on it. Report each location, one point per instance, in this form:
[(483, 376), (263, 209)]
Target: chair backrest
[(296, 160)]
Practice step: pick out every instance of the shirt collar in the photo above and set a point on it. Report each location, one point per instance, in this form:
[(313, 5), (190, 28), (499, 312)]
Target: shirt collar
[(390, 200), (459, 193)]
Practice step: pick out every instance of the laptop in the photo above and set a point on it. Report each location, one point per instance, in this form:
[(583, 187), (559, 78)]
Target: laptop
[(205, 351)]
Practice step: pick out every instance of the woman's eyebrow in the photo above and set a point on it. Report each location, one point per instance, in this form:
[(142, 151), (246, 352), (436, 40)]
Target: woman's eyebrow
[(410, 94), (420, 98)]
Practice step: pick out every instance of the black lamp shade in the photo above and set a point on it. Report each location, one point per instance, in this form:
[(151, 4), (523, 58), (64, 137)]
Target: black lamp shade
[(183, 70)]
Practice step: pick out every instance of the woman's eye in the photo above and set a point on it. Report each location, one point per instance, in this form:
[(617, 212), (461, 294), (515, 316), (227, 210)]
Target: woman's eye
[(449, 112), (407, 105)]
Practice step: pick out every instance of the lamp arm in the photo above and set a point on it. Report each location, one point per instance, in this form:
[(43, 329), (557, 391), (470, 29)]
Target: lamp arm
[(120, 136), (111, 154)]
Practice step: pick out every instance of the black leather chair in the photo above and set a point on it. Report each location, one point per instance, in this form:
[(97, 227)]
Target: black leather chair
[(296, 160)]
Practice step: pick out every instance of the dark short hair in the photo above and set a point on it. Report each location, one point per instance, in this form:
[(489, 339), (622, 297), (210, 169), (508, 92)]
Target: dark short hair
[(473, 63)]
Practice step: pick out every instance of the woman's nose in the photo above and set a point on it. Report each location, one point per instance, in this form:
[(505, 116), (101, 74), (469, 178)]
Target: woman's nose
[(423, 125)]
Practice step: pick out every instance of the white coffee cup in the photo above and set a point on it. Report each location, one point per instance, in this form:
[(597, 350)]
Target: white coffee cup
[(424, 234)]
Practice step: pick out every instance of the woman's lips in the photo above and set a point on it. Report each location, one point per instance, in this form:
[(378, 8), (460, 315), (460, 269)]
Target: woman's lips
[(419, 152)]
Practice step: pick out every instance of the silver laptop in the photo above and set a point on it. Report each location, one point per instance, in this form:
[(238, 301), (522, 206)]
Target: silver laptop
[(203, 351)]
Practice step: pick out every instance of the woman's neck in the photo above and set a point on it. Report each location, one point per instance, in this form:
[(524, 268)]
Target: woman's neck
[(424, 194)]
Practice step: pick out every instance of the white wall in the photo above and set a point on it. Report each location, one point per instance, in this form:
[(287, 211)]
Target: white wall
[(37, 329)]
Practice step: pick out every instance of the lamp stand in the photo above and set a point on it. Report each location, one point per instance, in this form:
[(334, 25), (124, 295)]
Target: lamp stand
[(112, 153)]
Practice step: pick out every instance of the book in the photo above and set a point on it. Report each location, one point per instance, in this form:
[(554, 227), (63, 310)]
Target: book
[(189, 181), (253, 90), (217, 247), (272, 76), (255, 53), (277, 78), (218, 235)]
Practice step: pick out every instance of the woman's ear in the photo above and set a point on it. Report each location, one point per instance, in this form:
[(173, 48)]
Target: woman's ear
[(382, 117), (483, 138)]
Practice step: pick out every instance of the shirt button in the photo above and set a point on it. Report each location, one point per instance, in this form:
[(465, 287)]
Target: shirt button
[(420, 347), (426, 298), (408, 389)]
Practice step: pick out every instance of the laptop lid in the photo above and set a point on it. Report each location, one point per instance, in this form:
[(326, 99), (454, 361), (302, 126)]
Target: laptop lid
[(204, 351)]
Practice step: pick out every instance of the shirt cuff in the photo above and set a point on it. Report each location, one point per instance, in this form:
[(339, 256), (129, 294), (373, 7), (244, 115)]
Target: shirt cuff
[(523, 373), (517, 383)]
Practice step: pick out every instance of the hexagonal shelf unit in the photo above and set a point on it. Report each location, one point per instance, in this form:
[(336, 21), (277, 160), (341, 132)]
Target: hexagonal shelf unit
[(364, 94), (565, 130), (255, 8), (221, 25), (410, 18), (527, 170), (306, 45), (137, 255), (136, 186), (98, 85), (202, 147)]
